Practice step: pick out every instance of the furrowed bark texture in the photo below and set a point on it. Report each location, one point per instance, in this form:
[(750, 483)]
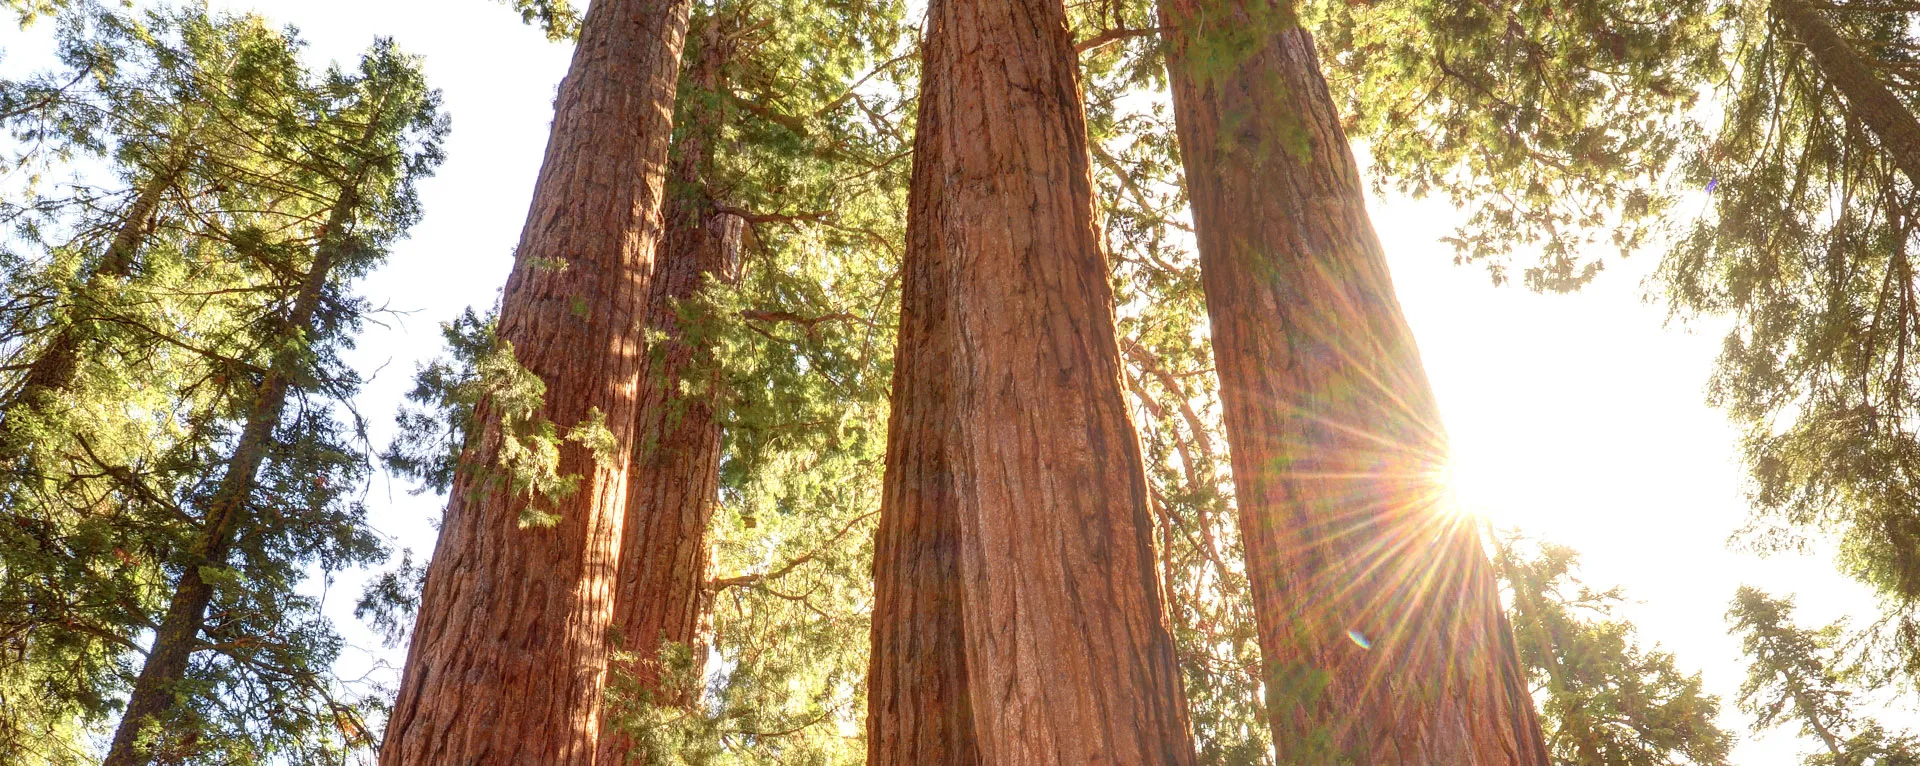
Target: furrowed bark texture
[(1015, 501), (1868, 99), (1379, 618), (178, 635), (674, 483), (509, 651)]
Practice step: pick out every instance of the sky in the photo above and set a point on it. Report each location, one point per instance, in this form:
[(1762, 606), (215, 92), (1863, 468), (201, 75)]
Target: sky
[(1576, 419)]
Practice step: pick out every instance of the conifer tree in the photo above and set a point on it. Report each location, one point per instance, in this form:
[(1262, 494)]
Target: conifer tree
[(1805, 244), (509, 655), (1009, 419), (786, 351), (1381, 631), (1795, 675), (364, 156), (1604, 699), (105, 493), (673, 486)]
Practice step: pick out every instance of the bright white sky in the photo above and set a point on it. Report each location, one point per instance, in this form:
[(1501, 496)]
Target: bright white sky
[(1578, 419)]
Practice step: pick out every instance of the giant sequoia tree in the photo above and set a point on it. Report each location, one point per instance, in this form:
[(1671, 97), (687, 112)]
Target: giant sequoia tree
[(1380, 626), (509, 651), (1017, 614)]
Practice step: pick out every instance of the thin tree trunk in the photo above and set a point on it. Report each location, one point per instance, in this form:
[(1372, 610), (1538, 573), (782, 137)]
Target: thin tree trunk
[(1015, 501), (509, 652), (1378, 614), (54, 371), (179, 633), (1820, 729), (1868, 99), (674, 483)]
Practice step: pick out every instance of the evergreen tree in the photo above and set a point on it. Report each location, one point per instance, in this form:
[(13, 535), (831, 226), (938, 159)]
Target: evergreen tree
[(272, 505), (804, 145), (160, 307), (1795, 675), (1805, 245), (1009, 416), (509, 652), (1603, 699), (1381, 632)]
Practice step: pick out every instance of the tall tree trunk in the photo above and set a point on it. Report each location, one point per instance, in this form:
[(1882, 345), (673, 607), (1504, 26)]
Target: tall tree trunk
[(1868, 99), (1378, 614), (1015, 500), (509, 652), (54, 371), (179, 633), (673, 485)]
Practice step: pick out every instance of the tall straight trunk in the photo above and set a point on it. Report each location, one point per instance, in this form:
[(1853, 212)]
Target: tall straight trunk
[(1868, 99), (55, 370), (1015, 499), (509, 652), (179, 632), (660, 595), (1378, 614)]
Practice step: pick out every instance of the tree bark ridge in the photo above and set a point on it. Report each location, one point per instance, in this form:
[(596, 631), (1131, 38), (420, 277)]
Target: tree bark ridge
[(673, 485), (1017, 616), (509, 655), (1379, 618)]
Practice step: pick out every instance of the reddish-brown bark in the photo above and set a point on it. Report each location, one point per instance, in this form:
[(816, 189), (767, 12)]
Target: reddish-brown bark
[(1017, 616), (1379, 618), (509, 651), (674, 483)]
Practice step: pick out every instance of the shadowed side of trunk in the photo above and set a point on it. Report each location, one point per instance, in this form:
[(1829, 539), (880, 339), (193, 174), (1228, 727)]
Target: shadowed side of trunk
[(673, 484), (509, 653), (1013, 467), (1379, 618), (1868, 99)]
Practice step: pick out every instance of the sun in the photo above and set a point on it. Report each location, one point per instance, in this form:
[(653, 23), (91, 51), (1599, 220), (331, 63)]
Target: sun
[(1468, 491)]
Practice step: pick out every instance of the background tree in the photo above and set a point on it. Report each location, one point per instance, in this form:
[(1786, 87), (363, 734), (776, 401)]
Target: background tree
[(1796, 675), (1805, 246), (807, 149), (106, 492), (1603, 699), (374, 136)]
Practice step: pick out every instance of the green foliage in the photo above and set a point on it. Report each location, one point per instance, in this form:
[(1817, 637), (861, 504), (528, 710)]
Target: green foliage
[(1603, 699), (1797, 675), (30, 11), (1553, 122), (139, 314), (555, 17), (433, 428), (1805, 245)]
